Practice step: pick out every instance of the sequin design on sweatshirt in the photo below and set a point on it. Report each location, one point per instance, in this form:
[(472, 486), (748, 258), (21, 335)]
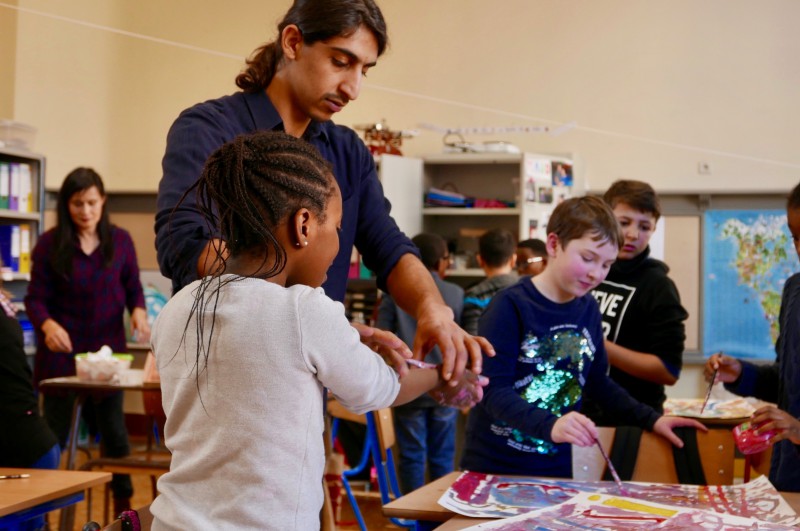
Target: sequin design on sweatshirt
[(556, 381)]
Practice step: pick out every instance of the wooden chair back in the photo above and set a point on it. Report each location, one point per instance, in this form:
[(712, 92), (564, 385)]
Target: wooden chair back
[(384, 425), (655, 462)]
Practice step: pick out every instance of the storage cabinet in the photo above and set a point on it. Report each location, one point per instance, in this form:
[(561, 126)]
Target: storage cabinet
[(529, 185), (21, 222)]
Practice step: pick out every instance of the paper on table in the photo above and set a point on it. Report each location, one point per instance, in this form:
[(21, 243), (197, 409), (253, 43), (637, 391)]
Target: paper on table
[(606, 512), (488, 496)]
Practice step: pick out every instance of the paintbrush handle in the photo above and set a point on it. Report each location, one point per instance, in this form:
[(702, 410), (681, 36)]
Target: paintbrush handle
[(610, 466), (421, 364), (710, 388)]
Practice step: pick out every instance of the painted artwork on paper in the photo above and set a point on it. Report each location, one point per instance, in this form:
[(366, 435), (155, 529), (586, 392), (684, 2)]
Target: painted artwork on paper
[(736, 408), (594, 511), (488, 496)]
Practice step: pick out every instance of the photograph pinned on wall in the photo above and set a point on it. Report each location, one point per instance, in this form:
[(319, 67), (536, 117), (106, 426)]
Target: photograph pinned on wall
[(530, 191), (562, 174), (533, 225), (545, 194)]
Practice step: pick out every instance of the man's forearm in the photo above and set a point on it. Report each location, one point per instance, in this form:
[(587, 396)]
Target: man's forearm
[(412, 287)]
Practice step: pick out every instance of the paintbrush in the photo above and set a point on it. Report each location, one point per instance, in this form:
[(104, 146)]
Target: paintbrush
[(710, 387), (611, 469), (421, 364)]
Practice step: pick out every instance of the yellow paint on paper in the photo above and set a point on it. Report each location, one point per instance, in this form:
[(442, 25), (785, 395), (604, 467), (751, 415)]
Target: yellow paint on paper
[(629, 505)]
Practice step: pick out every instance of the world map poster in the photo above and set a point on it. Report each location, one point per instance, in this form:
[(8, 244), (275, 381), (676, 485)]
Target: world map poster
[(748, 255)]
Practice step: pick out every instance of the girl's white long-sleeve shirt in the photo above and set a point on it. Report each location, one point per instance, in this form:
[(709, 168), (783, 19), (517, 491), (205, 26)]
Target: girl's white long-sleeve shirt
[(246, 432)]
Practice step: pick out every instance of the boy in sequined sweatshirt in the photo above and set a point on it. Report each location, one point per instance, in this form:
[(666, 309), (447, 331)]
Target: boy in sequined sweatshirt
[(547, 333)]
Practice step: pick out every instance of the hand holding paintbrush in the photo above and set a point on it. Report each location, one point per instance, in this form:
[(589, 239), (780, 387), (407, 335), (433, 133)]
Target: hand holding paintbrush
[(576, 428), (720, 367)]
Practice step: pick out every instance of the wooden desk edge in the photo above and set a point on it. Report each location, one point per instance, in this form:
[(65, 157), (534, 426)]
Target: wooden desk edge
[(422, 504), (88, 480), (72, 382)]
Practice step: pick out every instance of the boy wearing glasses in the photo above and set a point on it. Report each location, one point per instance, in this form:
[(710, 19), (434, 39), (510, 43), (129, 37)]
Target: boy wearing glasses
[(642, 313), (531, 257), (497, 258)]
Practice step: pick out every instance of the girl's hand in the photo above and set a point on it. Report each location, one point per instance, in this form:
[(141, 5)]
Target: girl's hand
[(574, 428), (771, 418), (729, 368), (465, 394), (140, 329), (55, 337), (390, 347), (664, 426)]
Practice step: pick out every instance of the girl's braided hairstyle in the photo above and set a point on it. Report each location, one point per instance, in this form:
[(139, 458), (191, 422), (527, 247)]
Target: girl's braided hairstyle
[(248, 187), (253, 183)]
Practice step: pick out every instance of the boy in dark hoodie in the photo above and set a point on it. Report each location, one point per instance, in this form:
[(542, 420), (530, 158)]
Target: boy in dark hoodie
[(643, 320)]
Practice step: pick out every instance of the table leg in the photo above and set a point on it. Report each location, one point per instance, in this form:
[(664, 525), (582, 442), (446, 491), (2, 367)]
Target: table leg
[(67, 519), (77, 407)]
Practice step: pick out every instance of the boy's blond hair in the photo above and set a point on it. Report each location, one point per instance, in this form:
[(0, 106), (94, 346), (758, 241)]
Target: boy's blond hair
[(584, 216)]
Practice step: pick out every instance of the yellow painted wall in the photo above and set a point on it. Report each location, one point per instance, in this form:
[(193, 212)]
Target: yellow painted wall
[(654, 87), (8, 56)]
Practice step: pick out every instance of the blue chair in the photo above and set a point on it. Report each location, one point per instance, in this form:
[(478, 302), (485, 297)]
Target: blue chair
[(378, 451), (381, 423)]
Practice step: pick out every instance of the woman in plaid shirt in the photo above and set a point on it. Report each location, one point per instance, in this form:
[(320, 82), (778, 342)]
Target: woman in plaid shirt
[(84, 276)]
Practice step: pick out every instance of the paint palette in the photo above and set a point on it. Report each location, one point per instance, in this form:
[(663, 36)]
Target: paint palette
[(737, 408)]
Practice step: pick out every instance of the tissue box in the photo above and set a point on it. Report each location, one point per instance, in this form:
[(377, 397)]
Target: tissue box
[(101, 369)]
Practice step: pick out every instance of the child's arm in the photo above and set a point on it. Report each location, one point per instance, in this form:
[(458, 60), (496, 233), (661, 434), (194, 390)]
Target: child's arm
[(727, 368), (659, 358), (467, 393), (642, 365), (772, 418)]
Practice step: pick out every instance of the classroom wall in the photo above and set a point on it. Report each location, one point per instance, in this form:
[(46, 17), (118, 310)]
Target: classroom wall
[(8, 48), (654, 87)]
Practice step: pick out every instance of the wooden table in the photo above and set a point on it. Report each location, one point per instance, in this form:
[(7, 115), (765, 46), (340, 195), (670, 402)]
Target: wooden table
[(82, 390), (42, 492), (422, 505)]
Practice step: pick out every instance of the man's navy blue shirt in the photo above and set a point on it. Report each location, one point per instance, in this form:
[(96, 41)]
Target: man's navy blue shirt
[(182, 234)]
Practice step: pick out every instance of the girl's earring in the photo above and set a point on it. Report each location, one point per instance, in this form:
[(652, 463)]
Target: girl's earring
[(297, 244)]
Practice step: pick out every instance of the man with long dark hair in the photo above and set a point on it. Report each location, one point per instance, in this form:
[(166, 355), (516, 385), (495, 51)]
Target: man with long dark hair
[(297, 83)]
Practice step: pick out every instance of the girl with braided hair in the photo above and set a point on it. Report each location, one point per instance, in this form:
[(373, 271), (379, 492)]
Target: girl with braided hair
[(242, 380)]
